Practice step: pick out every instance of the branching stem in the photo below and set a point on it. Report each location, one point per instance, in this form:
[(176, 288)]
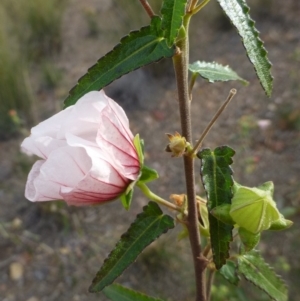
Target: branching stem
[(199, 7)]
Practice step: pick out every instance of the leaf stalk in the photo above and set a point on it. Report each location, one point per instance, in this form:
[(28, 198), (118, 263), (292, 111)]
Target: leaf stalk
[(212, 122), (147, 8)]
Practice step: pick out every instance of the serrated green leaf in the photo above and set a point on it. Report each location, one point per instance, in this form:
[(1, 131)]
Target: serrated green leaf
[(217, 180), (238, 13), (138, 49), (116, 292), (214, 72), (257, 271), (229, 272), (148, 226), (172, 12), (253, 208)]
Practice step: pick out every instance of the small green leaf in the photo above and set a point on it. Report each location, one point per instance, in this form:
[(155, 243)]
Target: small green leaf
[(148, 226), (126, 199), (172, 12), (238, 13), (116, 292), (148, 174), (253, 208), (229, 272), (248, 239), (217, 179), (138, 49), (257, 271), (214, 72)]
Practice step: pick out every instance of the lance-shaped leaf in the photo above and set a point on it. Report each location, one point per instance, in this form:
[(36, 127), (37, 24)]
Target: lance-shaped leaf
[(214, 72), (138, 49), (172, 12), (116, 292), (254, 208), (148, 226), (257, 271), (217, 179), (238, 13)]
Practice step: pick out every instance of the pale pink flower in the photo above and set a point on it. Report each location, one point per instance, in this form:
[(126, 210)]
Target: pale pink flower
[(87, 151)]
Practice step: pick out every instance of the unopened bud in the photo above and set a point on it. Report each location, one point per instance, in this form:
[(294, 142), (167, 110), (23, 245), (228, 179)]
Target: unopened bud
[(177, 145)]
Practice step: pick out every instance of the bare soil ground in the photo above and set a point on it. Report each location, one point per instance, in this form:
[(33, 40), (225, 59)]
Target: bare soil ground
[(52, 252)]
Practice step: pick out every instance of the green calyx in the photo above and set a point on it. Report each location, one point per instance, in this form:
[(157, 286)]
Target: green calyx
[(252, 209), (147, 174), (255, 210)]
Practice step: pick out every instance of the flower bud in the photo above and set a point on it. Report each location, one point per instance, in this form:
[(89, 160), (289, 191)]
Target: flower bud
[(87, 153), (177, 145)]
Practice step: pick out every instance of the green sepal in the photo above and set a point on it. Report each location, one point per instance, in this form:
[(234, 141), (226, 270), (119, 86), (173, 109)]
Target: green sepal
[(222, 213), (267, 186), (204, 221), (248, 239), (281, 224), (229, 272), (148, 174), (126, 199), (117, 292), (184, 233), (254, 208), (139, 146)]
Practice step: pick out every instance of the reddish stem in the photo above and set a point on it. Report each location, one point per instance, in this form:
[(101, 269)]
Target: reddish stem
[(147, 8)]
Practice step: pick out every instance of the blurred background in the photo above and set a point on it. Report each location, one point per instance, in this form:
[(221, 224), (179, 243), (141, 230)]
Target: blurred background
[(51, 251)]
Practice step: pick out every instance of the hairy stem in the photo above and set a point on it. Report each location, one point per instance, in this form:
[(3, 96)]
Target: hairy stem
[(147, 8), (192, 5), (210, 280), (180, 62), (152, 196), (200, 6)]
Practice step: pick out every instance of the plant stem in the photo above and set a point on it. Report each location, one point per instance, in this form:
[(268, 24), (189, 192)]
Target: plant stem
[(210, 280), (152, 196), (180, 62), (147, 8), (200, 6), (212, 122), (191, 85), (192, 5)]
